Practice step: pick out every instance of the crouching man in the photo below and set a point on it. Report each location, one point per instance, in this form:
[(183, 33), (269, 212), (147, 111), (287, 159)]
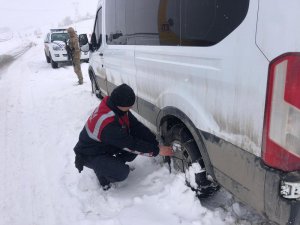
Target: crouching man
[(112, 136)]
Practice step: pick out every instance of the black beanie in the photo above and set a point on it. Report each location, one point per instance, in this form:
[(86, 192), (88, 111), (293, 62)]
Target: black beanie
[(123, 96)]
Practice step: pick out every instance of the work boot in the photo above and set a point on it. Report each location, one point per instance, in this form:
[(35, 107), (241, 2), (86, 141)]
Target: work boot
[(106, 187), (205, 187), (105, 184)]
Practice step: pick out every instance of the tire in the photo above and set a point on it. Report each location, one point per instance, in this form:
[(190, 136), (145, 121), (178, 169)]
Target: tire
[(187, 159), (47, 58), (54, 65), (95, 89)]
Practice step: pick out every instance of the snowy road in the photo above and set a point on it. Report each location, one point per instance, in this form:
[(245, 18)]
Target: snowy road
[(11, 48), (41, 114)]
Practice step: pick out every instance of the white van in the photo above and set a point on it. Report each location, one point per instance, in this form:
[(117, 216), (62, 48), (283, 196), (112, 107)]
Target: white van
[(219, 80)]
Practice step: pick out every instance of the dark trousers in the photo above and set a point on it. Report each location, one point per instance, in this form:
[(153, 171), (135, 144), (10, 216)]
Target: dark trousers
[(110, 168)]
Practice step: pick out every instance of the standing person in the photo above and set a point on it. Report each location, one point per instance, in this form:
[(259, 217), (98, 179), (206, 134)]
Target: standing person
[(112, 136), (75, 53)]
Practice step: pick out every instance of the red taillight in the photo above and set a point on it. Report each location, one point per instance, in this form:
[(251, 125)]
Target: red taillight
[(281, 143)]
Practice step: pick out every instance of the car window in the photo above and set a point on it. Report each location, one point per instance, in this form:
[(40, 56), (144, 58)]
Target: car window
[(176, 22), (59, 37), (207, 22)]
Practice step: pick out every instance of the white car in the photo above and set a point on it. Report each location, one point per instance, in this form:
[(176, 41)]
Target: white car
[(220, 82), (54, 47)]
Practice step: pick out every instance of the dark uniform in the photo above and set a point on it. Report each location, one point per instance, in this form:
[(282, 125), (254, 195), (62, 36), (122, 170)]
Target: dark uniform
[(75, 53), (112, 137)]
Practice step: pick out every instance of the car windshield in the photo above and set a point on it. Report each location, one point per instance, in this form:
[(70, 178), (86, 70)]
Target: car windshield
[(59, 37)]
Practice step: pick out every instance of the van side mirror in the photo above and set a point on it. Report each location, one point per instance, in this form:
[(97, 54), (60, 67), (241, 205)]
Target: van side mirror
[(83, 42)]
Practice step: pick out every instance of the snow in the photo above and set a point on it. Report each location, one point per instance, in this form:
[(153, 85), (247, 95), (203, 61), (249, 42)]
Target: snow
[(42, 111), (11, 46)]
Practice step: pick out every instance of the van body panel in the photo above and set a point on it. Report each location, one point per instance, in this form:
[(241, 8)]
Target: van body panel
[(96, 64), (243, 182), (276, 30), (119, 66), (253, 183), (229, 97)]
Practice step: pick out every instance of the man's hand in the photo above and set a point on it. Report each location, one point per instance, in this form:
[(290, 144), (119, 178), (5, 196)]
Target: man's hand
[(165, 151)]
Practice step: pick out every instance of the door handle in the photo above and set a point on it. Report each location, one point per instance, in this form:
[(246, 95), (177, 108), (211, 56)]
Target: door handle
[(101, 54)]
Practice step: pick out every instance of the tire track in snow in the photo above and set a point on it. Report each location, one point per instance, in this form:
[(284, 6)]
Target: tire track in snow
[(7, 58), (22, 171)]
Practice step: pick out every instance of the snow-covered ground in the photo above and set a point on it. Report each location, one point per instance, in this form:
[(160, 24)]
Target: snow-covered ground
[(12, 46), (42, 111)]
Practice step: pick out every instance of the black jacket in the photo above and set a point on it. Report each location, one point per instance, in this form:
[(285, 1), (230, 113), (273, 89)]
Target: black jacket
[(137, 138)]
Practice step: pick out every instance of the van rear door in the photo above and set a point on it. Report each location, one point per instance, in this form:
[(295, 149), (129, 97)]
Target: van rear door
[(278, 28)]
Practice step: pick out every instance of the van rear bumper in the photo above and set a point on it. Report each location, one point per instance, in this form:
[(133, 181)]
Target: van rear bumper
[(251, 181)]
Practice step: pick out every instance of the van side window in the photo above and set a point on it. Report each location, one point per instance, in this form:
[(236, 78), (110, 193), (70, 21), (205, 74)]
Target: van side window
[(110, 21), (97, 34), (119, 22), (172, 22), (157, 22), (207, 22), (145, 17), (169, 22), (135, 22)]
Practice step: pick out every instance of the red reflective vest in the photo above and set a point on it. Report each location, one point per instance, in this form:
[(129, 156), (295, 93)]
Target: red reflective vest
[(100, 118)]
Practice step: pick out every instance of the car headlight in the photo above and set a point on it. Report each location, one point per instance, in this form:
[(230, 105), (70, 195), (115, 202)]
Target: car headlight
[(56, 48)]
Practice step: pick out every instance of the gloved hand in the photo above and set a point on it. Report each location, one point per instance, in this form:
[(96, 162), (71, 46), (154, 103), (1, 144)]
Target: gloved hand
[(79, 162)]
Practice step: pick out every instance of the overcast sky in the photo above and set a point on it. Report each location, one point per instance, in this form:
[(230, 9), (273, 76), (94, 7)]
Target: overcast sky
[(18, 14)]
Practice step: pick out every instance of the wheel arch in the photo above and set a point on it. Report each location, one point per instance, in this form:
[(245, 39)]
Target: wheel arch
[(93, 79), (92, 75), (91, 71), (172, 115)]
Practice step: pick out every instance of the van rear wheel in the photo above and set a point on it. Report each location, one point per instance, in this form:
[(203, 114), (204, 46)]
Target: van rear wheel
[(187, 159)]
